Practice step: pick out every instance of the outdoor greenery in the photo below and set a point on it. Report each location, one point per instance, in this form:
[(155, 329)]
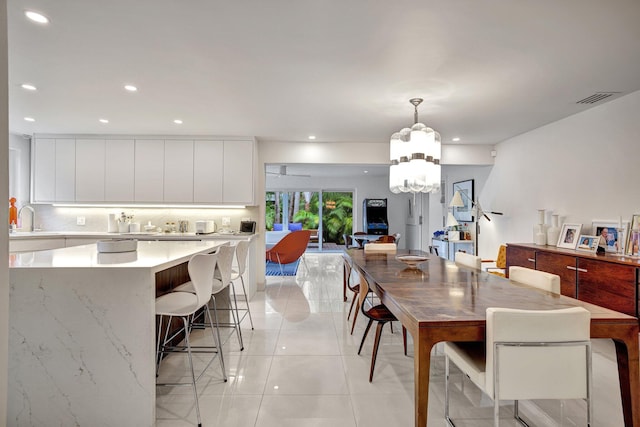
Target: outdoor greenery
[(302, 207)]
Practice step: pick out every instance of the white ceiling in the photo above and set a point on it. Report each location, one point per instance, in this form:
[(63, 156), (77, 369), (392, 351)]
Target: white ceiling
[(340, 70)]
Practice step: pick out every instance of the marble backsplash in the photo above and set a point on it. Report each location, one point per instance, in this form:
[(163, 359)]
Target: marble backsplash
[(54, 218)]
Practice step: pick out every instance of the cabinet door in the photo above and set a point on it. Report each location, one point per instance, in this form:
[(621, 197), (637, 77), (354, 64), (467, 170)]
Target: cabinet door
[(519, 256), (178, 171), (149, 171), (65, 170), (238, 172), (608, 285), (119, 170), (562, 265), (90, 170), (43, 170), (207, 171)]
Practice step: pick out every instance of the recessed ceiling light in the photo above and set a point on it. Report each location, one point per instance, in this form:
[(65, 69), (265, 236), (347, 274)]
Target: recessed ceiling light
[(36, 17), (105, 121), (366, 171), (312, 137), (177, 121), (131, 88), (27, 86), (30, 119), (456, 139)]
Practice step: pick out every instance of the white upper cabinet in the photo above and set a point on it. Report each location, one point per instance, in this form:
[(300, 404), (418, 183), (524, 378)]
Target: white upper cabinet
[(90, 167), (237, 183), (178, 171), (119, 170), (139, 170), (53, 170), (207, 171), (44, 170), (149, 170)]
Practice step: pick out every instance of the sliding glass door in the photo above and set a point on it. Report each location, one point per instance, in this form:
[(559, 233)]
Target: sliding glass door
[(329, 220)]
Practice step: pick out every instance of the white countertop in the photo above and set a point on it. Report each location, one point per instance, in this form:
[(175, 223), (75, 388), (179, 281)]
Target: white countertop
[(18, 235), (157, 255)]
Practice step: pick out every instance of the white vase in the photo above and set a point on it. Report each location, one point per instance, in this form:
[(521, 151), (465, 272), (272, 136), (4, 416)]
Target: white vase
[(540, 227), (541, 237), (553, 232)]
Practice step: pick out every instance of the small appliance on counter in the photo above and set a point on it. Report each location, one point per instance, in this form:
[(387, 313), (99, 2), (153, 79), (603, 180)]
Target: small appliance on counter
[(247, 227), (205, 227)]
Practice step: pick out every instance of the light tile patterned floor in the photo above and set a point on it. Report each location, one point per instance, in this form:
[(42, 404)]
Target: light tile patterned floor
[(300, 368)]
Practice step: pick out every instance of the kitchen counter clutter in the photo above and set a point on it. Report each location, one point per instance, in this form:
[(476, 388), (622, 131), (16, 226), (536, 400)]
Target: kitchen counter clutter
[(82, 332)]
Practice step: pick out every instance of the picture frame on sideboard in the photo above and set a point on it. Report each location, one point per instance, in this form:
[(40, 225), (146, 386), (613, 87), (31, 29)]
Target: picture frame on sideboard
[(569, 234), (608, 230)]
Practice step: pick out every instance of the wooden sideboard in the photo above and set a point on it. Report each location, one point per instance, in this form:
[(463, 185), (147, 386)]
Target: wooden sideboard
[(606, 280)]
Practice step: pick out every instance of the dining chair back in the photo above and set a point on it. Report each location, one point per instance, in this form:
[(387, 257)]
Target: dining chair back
[(379, 313), (528, 354), (536, 278), (349, 279), (468, 260), (386, 239)]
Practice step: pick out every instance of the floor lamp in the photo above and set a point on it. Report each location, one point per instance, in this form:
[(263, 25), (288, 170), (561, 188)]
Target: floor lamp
[(457, 202)]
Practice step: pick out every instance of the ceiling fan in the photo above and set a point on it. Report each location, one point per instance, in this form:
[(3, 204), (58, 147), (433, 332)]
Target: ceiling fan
[(283, 172)]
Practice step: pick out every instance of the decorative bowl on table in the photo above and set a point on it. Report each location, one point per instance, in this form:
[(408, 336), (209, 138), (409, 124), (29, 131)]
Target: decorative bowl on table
[(412, 261)]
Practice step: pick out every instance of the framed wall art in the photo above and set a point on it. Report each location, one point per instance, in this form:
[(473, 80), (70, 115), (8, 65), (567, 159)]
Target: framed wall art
[(569, 234), (464, 213)]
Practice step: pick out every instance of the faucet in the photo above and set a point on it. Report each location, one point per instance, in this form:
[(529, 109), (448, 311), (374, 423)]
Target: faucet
[(33, 216)]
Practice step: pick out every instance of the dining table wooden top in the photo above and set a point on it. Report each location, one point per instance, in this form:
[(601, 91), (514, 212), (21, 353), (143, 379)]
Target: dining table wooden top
[(441, 301)]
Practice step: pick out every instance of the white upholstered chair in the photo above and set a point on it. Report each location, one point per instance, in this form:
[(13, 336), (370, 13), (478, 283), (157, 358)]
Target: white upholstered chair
[(528, 354), (468, 260), (184, 305), (538, 279)]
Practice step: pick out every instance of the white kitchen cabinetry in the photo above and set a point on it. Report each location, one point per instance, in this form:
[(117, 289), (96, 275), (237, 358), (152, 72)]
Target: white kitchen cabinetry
[(237, 182), (53, 171), (149, 170), (159, 170), (119, 170), (207, 171), (90, 178), (178, 171)]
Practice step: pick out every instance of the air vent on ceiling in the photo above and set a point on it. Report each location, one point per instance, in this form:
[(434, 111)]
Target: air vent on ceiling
[(596, 97)]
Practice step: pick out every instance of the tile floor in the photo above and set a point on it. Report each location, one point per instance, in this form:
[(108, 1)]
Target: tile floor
[(300, 368)]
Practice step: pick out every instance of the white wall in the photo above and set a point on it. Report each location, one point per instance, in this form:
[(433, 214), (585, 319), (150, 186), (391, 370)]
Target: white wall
[(4, 214), (584, 167), (19, 167)]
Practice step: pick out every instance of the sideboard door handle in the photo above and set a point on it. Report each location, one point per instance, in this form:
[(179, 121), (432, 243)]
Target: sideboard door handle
[(571, 268), (531, 260), (582, 270)]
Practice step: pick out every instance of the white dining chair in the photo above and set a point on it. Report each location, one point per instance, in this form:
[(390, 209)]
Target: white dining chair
[(184, 305), (242, 250), (527, 354), (536, 278), (468, 260)]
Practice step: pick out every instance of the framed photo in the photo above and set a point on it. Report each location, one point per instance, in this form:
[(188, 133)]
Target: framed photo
[(588, 243), (464, 213), (569, 234), (633, 236), (608, 231)]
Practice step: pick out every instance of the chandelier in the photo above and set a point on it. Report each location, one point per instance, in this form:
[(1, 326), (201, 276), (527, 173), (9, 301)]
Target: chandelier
[(415, 158)]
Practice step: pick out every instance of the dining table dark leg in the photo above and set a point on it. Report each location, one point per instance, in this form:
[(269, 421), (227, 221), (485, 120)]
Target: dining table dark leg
[(422, 345), (627, 350)]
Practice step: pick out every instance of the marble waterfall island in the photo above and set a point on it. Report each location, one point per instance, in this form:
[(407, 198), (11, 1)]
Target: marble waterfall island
[(82, 333)]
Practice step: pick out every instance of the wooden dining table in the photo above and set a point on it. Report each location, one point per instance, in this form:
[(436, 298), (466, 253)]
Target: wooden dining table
[(440, 301)]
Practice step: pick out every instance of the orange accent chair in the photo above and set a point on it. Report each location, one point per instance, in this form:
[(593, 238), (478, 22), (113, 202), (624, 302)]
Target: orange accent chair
[(290, 248), (501, 262)]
